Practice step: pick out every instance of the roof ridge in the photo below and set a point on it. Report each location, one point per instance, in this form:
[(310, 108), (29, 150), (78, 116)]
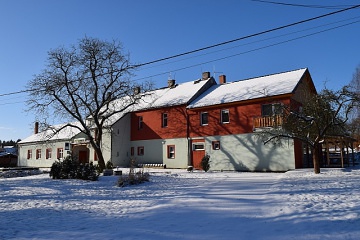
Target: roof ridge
[(268, 75)]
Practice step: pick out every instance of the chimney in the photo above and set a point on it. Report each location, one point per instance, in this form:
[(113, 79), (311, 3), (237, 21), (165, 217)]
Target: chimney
[(205, 75), (136, 90), (171, 83), (36, 128), (222, 79)]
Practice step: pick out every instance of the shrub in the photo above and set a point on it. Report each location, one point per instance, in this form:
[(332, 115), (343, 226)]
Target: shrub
[(205, 163), (109, 165), (133, 178), (71, 169)]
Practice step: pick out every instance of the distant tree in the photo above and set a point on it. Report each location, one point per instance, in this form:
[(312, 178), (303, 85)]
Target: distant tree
[(354, 123), (324, 114), (81, 83)]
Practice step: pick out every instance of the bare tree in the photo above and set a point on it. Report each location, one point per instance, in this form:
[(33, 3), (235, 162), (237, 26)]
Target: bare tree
[(324, 114), (81, 83), (355, 115)]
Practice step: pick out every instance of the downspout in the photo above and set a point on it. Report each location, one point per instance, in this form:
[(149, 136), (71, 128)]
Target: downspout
[(188, 137)]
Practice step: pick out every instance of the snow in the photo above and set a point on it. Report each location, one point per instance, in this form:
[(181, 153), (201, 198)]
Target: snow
[(271, 85), (56, 132), (177, 204)]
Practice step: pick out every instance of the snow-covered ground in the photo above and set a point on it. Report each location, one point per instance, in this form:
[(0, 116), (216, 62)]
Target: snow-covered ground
[(177, 204)]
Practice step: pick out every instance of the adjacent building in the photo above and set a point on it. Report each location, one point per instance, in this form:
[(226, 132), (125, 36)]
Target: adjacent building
[(177, 125)]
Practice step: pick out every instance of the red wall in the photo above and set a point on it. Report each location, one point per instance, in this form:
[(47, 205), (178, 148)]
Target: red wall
[(241, 118), (152, 124)]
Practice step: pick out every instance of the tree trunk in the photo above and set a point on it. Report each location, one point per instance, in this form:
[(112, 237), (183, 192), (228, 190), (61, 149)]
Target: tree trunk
[(316, 159), (100, 157)]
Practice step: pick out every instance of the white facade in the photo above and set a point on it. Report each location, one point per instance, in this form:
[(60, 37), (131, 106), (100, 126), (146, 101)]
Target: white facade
[(246, 152), (43, 154)]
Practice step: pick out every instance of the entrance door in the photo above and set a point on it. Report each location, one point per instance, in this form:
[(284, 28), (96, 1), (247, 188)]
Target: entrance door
[(83, 157), (197, 152)]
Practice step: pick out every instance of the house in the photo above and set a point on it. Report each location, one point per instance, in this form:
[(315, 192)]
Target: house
[(158, 120), (225, 119), (177, 125), (8, 156), (43, 148)]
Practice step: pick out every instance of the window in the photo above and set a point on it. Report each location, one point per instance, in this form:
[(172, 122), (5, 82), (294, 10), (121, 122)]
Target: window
[(204, 118), (271, 109), (132, 151), (29, 154), (48, 153), (198, 146), (67, 146), (140, 122), (216, 145), (140, 151), (60, 153), (38, 153), (95, 156), (171, 151), (164, 120), (225, 118)]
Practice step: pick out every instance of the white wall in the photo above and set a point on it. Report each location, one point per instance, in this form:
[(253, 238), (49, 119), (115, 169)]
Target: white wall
[(153, 151), (181, 153), (245, 152), (120, 154), (41, 162)]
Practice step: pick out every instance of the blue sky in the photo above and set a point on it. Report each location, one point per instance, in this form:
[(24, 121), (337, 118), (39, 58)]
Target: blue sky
[(150, 30)]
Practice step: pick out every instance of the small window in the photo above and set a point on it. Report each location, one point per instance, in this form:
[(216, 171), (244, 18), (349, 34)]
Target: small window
[(198, 146), (164, 120), (95, 156), (171, 151), (60, 153), (204, 118), (140, 151), (38, 153), (141, 123), (29, 154), (67, 146), (132, 151), (216, 145), (48, 153), (225, 117)]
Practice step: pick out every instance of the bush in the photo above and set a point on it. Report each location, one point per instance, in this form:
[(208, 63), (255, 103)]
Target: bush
[(205, 163), (133, 178), (71, 169), (109, 165)]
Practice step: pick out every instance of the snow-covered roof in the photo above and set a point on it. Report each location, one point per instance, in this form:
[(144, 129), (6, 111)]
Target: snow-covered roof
[(50, 134), (164, 97), (270, 85)]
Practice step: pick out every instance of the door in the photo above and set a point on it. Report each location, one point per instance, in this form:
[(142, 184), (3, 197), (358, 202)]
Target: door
[(83, 157), (197, 152)]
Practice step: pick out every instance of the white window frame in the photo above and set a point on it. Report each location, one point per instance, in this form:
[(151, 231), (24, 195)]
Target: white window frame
[(195, 146), (201, 118), (228, 113), (164, 120)]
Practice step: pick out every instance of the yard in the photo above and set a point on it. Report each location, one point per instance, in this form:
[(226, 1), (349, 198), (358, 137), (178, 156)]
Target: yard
[(177, 204)]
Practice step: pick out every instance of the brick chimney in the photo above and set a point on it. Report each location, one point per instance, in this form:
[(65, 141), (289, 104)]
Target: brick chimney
[(136, 90), (171, 83), (222, 79), (36, 128), (205, 75)]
